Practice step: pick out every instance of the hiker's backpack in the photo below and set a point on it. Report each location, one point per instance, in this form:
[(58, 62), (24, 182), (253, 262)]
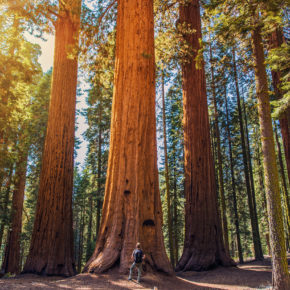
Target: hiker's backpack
[(138, 256)]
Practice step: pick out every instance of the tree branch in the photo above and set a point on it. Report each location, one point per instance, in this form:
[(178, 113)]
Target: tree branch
[(106, 10), (53, 12)]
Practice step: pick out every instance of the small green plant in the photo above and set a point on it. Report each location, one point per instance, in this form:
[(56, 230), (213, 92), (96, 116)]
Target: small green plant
[(9, 275), (146, 55)]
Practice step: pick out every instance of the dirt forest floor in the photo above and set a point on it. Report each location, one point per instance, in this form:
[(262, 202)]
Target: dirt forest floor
[(251, 275)]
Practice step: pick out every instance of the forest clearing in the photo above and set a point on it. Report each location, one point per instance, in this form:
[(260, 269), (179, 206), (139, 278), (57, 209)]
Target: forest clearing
[(157, 137), (251, 275)]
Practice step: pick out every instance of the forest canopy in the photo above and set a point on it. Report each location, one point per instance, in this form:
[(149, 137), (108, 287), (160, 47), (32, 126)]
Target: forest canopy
[(185, 121)]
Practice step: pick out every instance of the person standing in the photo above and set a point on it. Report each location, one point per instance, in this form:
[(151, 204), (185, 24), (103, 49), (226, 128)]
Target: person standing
[(138, 257)]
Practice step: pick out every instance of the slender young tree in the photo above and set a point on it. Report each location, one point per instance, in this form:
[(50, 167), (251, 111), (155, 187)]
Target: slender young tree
[(168, 201), (276, 40), (51, 250), (284, 187), (203, 245), (250, 193), (219, 158), (11, 262), (99, 172), (280, 274), (89, 238), (235, 202), (4, 204), (132, 206)]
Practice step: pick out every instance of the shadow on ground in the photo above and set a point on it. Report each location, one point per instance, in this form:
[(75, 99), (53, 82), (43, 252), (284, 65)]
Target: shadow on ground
[(255, 274), (102, 281), (240, 277)]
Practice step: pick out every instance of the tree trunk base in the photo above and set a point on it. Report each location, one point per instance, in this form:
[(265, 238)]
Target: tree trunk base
[(193, 261), (53, 270), (111, 261)]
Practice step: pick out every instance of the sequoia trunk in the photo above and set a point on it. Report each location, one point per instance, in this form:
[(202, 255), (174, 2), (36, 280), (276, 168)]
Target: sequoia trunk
[(51, 250), (132, 206), (203, 245)]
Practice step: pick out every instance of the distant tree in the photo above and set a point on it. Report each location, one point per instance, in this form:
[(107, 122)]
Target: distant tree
[(38, 123), (249, 188), (19, 59)]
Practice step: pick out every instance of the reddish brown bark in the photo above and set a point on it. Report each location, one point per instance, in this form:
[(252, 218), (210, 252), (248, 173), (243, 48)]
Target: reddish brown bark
[(51, 250), (203, 245), (11, 262), (132, 207)]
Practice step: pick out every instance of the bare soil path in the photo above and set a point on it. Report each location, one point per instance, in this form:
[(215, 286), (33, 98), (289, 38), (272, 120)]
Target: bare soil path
[(251, 275)]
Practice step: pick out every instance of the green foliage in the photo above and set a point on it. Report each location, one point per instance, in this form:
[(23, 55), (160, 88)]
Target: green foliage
[(24, 101), (89, 184), (24, 128), (39, 112), (278, 59), (174, 135)]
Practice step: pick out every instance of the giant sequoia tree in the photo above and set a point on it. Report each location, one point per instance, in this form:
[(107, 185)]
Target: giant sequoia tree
[(132, 207), (51, 250), (203, 246)]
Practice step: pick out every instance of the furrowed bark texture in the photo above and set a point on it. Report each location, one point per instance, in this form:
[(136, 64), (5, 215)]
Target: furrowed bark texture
[(11, 262), (203, 246), (132, 206), (281, 279), (51, 250)]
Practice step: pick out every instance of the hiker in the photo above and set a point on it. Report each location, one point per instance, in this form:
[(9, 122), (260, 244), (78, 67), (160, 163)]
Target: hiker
[(138, 257)]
